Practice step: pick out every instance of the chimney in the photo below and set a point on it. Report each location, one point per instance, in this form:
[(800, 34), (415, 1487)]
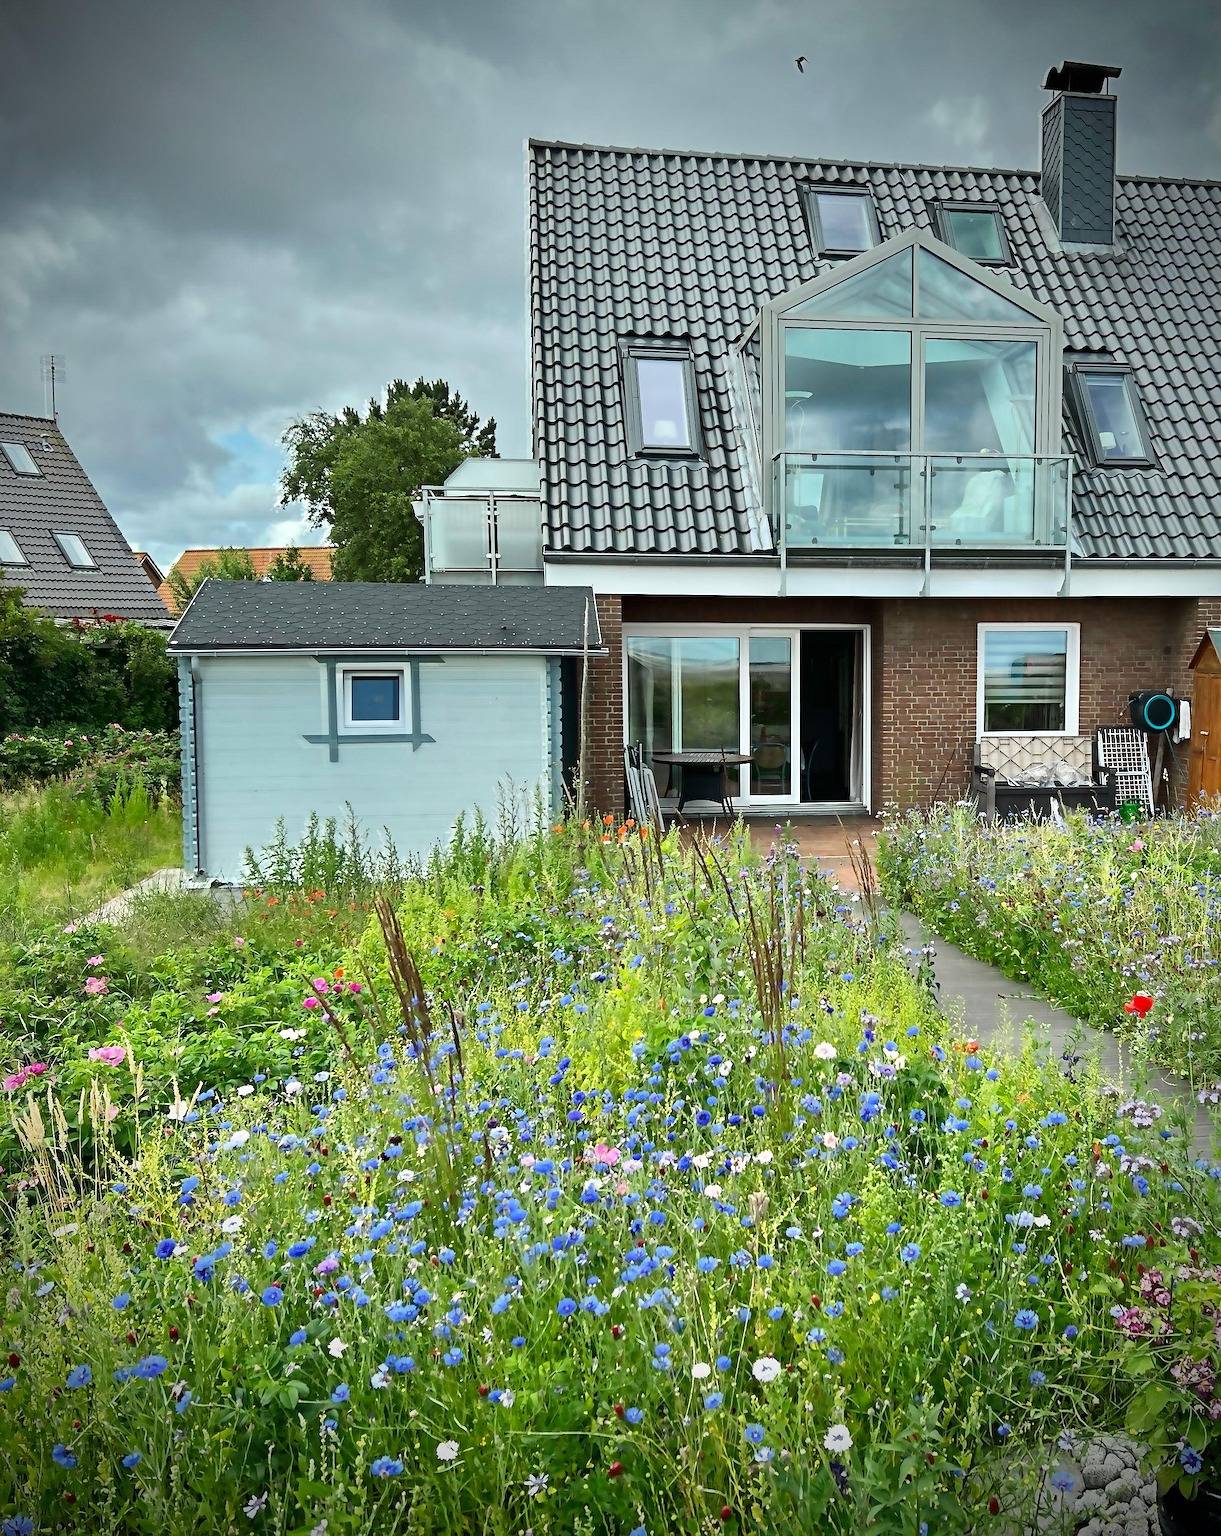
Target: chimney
[(1078, 181)]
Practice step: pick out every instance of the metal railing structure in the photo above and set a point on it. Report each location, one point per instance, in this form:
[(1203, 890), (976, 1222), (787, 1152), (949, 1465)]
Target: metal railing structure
[(482, 536)]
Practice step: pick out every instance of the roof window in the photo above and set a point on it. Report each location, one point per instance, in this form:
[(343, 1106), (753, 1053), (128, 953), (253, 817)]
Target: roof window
[(663, 419), (842, 220), (1111, 414), (975, 230), (73, 549), (10, 550), (20, 458)]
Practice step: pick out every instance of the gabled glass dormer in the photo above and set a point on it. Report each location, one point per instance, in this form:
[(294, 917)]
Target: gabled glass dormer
[(911, 399)]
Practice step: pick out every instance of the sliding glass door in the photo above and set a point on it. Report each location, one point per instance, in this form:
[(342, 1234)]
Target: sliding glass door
[(683, 693), (774, 770)]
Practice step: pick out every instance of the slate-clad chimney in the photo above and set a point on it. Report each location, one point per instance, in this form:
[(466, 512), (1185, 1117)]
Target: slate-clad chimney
[(1079, 153)]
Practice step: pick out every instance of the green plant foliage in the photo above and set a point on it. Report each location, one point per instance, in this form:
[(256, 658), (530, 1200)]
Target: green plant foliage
[(85, 674), (598, 1186), (97, 761), (229, 564), (1091, 913)]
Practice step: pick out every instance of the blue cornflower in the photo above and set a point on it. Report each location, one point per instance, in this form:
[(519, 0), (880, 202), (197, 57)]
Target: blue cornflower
[(272, 1296), (121, 1302), (755, 1433), (132, 1459), (63, 1457), (836, 1268), (1062, 1480), (909, 1252), (341, 1393), (633, 1415), (706, 1264), (1026, 1320), (386, 1466), (17, 1525), (150, 1367), (165, 1248), (1038, 1379), (298, 1337), (566, 1307), (951, 1198), (1190, 1460), (80, 1376), (713, 1401)]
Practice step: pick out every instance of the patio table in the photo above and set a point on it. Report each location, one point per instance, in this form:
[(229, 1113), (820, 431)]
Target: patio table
[(703, 773)]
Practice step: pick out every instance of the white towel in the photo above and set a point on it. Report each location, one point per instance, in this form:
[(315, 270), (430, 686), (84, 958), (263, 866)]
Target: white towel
[(1182, 729)]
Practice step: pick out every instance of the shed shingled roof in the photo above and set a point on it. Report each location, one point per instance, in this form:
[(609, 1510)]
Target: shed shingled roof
[(638, 242), (62, 498), (382, 615)]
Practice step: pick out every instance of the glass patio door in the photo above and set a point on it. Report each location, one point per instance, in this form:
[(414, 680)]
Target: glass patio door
[(770, 711), (684, 693)]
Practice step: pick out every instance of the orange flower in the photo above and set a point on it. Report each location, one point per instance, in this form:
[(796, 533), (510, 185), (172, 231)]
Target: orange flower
[(608, 820), (338, 973)]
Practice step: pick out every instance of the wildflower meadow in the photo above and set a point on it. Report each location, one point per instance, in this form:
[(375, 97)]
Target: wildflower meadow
[(579, 1183)]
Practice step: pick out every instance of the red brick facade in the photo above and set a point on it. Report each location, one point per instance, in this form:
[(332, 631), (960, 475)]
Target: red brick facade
[(924, 656)]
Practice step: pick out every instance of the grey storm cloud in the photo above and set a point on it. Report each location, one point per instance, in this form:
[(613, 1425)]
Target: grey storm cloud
[(227, 214)]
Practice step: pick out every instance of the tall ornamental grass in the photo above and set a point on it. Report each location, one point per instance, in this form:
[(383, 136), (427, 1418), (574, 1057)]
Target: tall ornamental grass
[(641, 1191), (1095, 913)]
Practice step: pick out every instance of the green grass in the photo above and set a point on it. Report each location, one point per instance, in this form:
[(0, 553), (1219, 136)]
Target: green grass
[(63, 852)]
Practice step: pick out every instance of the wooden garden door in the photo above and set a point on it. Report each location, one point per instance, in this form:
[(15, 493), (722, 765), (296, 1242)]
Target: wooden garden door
[(1204, 775)]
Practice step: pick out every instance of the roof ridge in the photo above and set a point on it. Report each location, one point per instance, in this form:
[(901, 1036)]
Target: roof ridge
[(776, 158), (49, 421)]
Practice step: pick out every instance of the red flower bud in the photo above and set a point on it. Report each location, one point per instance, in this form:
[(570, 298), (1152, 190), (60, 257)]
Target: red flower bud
[(618, 1410), (615, 1469), (994, 1505), (726, 1512)]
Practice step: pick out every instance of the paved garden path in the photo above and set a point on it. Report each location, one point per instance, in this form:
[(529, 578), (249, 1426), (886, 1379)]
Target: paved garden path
[(994, 1006)]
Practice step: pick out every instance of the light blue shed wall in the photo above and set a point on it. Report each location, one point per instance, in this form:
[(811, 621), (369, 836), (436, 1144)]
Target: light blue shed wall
[(489, 716)]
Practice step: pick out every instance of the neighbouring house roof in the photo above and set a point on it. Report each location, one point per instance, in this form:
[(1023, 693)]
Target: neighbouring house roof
[(61, 499), (150, 567), (657, 243), (385, 616), (317, 558)]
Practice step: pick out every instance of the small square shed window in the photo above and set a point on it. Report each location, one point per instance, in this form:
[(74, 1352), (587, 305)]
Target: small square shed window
[(1028, 679), (73, 549), (20, 458), (662, 416), (1112, 415), (975, 230), (842, 220), (10, 550), (373, 700)]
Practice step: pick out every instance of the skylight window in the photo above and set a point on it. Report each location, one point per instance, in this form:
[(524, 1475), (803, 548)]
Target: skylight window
[(975, 230), (20, 458), (842, 220), (73, 549), (1111, 414), (10, 550), (663, 420)]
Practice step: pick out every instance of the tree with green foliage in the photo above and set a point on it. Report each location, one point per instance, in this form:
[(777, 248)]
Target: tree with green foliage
[(230, 564), (289, 566), (358, 475)]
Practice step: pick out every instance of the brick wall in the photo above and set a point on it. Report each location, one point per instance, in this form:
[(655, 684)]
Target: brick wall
[(601, 759), (924, 673), (927, 658)]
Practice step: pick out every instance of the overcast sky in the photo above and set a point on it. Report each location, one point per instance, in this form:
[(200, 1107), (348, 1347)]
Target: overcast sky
[(226, 213)]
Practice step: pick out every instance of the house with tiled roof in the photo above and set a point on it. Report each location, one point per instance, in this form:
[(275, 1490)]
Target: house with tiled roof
[(58, 542), (866, 463)]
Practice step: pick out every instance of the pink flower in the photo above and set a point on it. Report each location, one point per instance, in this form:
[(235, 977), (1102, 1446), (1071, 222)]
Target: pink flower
[(1136, 846), (109, 1055), (36, 1069), (606, 1155), (353, 986), (71, 927), (94, 960), (320, 984), (95, 986), (309, 1002), (14, 1081), (215, 997), (239, 943)]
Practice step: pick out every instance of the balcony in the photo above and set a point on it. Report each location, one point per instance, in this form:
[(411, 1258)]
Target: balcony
[(484, 525), (984, 502)]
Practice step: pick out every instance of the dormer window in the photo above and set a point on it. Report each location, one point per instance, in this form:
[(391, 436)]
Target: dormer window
[(20, 459), (975, 230), (662, 418), (842, 220), (1111, 414), (74, 551), (10, 550)]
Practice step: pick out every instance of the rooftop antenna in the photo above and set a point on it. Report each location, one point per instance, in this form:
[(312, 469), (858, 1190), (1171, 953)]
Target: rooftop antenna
[(54, 369)]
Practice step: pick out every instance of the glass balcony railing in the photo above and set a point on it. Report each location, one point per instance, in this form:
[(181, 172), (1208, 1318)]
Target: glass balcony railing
[(492, 537), (1012, 502)]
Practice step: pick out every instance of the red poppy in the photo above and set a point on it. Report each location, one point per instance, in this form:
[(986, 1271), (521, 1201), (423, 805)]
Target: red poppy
[(1139, 1004)]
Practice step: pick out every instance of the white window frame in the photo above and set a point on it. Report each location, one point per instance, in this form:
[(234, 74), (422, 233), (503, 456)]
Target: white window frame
[(1072, 674), (346, 726), (743, 633)]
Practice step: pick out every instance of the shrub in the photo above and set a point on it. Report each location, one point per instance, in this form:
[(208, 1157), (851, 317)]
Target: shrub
[(99, 761)]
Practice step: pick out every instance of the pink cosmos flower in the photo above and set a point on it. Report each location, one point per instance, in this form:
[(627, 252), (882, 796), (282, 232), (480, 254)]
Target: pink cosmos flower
[(215, 997), (95, 986), (1136, 846), (109, 1055), (608, 1156), (94, 960)]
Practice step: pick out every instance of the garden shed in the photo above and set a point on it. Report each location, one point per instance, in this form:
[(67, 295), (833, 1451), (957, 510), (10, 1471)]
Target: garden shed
[(412, 704)]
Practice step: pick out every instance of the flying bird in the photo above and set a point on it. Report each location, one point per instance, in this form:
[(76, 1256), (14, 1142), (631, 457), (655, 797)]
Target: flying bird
[(800, 62)]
